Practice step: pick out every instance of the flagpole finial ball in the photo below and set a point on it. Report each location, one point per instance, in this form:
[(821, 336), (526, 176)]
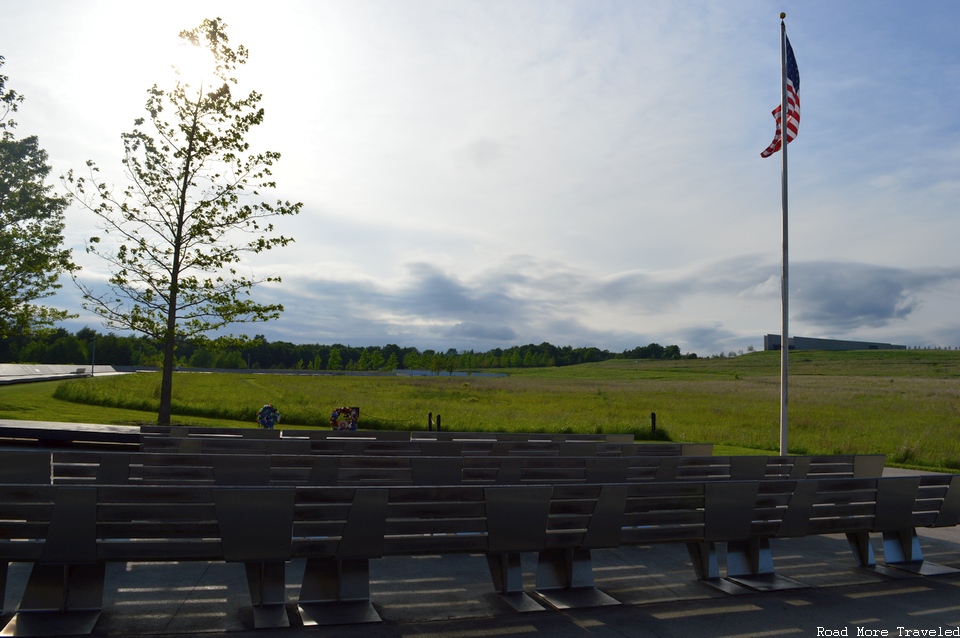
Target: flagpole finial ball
[(782, 15)]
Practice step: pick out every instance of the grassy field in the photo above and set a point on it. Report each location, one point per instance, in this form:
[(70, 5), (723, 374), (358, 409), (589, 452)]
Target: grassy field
[(905, 404)]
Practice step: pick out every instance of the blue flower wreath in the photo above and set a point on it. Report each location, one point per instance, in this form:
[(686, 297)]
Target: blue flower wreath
[(349, 423), (268, 416)]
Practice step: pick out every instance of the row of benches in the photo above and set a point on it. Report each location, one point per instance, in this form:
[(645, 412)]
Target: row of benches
[(70, 532), (75, 435), (85, 467), (73, 512), (415, 447), (380, 435)]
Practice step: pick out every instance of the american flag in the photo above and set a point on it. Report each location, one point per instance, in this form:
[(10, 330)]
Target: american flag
[(793, 106)]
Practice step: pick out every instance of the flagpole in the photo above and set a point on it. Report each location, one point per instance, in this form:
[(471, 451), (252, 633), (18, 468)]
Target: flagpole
[(784, 296)]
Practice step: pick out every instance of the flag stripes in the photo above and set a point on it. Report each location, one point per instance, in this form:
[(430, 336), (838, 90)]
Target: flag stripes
[(793, 106)]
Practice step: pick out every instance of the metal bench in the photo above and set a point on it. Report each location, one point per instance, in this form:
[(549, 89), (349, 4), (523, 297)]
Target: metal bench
[(70, 533)]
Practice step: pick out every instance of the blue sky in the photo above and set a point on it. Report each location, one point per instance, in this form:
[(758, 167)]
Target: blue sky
[(484, 174)]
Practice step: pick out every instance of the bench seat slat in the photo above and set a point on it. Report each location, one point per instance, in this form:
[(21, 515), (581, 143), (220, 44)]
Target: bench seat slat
[(478, 475), (927, 504), (843, 510), (765, 528), (850, 485), (450, 543), (25, 511), (26, 493), (679, 517), (441, 526), (841, 499), (163, 550), (585, 491), (24, 550), (22, 530), (172, 472), (334, 512), (307, 546), (154, 494), (376, 462), (777, 501), (924, 519), (835, 526), (447, 493), (325, 496), (371, 475), (560, 507), (318, 528), (665, 491), (568, 538), (170, 512), (434, 509), (553, 475), (665, 503), (667, 534), (158, 529), (566, 523)]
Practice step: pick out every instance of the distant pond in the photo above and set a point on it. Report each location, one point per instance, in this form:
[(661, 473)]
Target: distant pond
[(444, 373)]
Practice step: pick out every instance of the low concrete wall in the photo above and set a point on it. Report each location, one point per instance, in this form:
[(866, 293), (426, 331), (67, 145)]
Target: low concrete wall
[(23, 372)]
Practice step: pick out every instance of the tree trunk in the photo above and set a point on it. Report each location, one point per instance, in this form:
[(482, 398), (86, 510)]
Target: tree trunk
[(166, 382), (170, 340)]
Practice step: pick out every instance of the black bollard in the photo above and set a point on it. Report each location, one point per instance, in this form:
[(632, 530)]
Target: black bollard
[(653, 422), (438, 423)]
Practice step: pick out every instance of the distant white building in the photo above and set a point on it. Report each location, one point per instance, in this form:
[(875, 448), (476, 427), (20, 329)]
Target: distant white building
[(772, 342)]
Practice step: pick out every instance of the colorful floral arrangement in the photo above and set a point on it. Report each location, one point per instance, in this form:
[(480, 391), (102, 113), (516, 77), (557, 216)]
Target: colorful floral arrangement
[(268, 416), (345, 418)]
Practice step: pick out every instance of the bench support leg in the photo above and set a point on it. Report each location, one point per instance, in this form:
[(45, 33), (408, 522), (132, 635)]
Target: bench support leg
[(703, 555), (901, 549), (336, 592), (750, 563), (59, 600), (267, 584), (901, 546), (749, 558), (704, 559), (862, 549), (863, 553), (505, 571), (507, 578), (565, 580)]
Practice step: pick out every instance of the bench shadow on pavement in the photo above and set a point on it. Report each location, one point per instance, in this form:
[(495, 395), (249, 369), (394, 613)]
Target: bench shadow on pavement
[(653, 582)]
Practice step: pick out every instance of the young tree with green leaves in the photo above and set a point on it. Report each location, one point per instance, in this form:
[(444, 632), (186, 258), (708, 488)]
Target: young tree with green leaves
[(334, 362), (32, 256), (192, 210)]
